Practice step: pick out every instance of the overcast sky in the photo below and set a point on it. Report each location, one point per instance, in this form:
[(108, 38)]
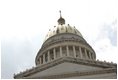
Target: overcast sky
[(25, 24)]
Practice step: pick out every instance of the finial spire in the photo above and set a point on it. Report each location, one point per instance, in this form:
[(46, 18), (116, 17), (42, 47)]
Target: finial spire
[(61, 20), (60, 13)]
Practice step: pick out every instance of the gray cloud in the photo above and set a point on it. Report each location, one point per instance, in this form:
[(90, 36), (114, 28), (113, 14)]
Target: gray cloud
[(110, 30), (106, 42), (17, 55)]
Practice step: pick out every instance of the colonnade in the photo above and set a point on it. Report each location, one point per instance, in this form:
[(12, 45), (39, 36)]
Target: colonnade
[(61, 51)]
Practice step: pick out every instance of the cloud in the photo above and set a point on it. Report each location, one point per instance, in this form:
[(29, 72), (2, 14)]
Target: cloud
[(109, 31), (105, 44), (16, 55)]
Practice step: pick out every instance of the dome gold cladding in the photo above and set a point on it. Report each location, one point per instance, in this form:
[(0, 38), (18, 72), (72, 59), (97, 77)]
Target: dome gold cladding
[(62, 29)]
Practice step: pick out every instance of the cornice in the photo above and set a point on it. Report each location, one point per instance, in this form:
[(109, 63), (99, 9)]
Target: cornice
[(42, 67), (74, 74)]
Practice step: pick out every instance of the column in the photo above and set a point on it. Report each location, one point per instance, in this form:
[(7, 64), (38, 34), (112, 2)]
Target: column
[(90, 55), (93, 56), (67, 50), (40, 60), (74, 51), (86, 53), (54, 53), (43, 58), (80, 52), (48, 56), (61, 51)]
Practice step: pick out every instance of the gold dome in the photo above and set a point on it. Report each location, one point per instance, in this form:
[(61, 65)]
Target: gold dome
[(62, 29)]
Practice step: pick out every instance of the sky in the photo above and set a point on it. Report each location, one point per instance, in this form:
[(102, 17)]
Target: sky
[(25, 23)]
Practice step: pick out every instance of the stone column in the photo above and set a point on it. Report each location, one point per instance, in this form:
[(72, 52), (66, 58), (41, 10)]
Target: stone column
[(74, 51), (67, 50), (86, 54), (48, 56), (90, 55), (40, 60), (80, 51), (61, 52), (43, 58), (54, 53), (93, 56)]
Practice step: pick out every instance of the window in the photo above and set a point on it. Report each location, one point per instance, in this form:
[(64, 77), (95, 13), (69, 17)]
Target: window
[(77, 51), (71, 51), (51, 54), (83, 52), (41, 59), (64, 52), (88, 54), (46, 57), (57, 52)]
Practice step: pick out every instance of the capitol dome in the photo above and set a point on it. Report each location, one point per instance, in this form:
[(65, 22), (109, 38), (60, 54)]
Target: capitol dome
[(62, 28), (66, 54), (64, 41)]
